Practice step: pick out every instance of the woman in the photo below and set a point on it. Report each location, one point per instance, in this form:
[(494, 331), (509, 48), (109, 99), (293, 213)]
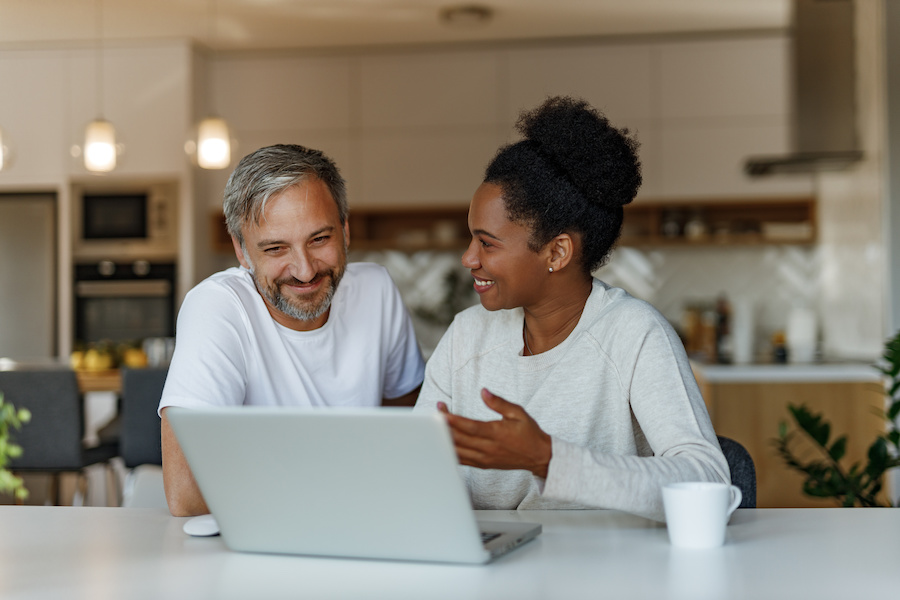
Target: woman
[(596, 401)]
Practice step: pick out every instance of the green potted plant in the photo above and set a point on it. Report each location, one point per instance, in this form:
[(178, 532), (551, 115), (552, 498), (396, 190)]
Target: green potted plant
[(826, 474), (10, 417)]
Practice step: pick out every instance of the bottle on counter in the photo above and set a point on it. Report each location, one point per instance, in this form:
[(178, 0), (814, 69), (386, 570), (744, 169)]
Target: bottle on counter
[(742, 343), (723, 329), (779, 348)]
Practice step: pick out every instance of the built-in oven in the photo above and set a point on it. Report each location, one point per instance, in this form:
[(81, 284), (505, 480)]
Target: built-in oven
[(124, 302)]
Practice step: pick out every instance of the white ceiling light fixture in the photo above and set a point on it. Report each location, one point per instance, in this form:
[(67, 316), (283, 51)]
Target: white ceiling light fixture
[(213, 139), (100, 136)]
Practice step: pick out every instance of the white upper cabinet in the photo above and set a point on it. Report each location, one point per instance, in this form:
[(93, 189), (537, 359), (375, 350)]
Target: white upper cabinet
[(33, 89), (721, 101), (429, 89), (730, 78), (428, 124), (616, 79), (145, 92)]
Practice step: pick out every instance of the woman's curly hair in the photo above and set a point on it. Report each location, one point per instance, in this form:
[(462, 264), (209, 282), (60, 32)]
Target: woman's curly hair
[(573, 172)]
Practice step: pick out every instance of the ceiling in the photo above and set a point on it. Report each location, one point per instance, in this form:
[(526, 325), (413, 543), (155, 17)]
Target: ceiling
[(280, 24)]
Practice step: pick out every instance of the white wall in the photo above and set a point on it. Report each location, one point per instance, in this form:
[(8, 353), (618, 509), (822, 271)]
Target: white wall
[(852, 210)]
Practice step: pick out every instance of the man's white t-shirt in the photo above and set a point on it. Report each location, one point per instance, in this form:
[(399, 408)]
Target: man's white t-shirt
[(230, 351)]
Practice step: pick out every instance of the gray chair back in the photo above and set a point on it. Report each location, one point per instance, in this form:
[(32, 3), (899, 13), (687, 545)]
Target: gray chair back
[(141, 391), (743, 471), (51, 441)]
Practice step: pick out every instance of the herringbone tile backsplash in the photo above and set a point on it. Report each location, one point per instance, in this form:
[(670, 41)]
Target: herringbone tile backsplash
[(770, 279)]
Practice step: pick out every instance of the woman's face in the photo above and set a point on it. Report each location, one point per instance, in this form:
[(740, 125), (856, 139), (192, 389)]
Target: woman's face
[(507, 273)]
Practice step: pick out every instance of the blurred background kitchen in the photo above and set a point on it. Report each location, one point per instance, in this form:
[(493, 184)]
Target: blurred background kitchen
[(766, 229)]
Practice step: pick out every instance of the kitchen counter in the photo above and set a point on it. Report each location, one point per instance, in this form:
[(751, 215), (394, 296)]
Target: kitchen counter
[(826, 372), (748, 403)]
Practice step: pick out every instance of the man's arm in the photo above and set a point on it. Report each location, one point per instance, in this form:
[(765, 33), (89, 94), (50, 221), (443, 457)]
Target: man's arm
[(182, 494), (405, 400)]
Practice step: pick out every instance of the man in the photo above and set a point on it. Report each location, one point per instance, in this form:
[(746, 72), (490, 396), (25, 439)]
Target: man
[(294, 324)]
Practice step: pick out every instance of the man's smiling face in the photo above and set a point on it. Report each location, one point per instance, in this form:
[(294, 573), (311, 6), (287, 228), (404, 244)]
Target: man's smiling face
[(297, 254)]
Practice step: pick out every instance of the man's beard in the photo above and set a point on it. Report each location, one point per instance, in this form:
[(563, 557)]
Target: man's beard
[(300, 309)]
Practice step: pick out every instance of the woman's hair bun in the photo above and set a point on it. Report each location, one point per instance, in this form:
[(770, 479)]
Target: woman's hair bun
[(576, 139)]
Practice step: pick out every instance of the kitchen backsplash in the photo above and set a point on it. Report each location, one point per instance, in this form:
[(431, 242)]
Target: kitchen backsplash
[(769, 280)]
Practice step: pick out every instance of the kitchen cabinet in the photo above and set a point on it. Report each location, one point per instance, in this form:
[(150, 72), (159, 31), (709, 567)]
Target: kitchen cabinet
[(747, 403), (720, 222)]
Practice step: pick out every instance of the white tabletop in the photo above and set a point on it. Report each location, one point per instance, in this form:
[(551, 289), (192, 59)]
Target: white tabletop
[(117, 553)]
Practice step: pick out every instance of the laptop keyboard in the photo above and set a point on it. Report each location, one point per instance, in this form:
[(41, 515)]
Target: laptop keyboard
[(487, 536)]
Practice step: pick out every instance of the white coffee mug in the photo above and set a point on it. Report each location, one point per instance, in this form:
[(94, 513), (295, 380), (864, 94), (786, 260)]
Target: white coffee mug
[(697, 512)]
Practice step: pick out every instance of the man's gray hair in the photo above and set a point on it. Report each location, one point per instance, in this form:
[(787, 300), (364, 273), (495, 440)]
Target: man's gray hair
[(271, 170)]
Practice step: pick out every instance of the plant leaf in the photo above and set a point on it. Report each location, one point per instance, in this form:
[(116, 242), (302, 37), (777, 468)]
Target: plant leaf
[(838, 448), (893, 411)]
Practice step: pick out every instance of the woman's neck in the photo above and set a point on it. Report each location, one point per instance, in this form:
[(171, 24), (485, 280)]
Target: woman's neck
[(548, 324)]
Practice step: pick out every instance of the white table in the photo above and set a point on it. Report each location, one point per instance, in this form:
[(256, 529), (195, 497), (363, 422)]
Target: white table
[(116, 553)]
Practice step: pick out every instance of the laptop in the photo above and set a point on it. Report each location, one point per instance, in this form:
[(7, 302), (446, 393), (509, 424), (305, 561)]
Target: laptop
[(366, 483)]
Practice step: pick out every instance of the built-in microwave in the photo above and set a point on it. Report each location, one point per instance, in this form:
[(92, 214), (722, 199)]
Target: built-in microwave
[(125, 220)]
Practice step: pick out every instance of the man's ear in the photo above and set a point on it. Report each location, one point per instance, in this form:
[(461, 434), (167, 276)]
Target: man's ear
[(239, 252), (347, 234)]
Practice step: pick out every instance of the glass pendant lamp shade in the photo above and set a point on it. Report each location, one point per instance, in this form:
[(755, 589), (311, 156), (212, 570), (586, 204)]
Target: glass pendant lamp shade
[(213, 143), (100, 146)]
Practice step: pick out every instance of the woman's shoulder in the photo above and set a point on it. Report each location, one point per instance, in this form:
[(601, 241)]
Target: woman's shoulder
[(612, 307), (479, 328), (478, 318)]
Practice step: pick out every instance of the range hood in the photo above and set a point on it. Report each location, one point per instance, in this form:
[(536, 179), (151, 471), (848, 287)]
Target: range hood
[(824, 134)]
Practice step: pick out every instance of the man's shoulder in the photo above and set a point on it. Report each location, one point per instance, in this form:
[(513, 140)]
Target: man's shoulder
[(235, 284), (367, 282), (367, 272)]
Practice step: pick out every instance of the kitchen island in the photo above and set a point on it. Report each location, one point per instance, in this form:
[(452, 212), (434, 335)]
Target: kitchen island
[(748, 402)]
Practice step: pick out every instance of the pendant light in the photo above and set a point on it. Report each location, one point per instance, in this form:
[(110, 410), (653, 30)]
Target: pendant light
[(100, 135), (213, 145)]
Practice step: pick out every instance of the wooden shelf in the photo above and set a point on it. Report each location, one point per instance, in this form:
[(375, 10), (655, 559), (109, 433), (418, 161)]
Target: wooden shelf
[(722, 222), (409, 228), (727, 222)]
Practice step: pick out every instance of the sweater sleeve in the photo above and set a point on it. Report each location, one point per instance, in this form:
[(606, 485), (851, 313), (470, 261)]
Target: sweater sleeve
[(437, 386), (669, 410)]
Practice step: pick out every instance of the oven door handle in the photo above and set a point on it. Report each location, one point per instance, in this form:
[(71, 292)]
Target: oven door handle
[(154, 288)]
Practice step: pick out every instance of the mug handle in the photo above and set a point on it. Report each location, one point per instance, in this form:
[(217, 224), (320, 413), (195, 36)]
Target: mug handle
[(738, 496)]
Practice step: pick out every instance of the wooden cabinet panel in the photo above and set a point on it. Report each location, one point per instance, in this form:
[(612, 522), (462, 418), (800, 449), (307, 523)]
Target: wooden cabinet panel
[(751, 412)]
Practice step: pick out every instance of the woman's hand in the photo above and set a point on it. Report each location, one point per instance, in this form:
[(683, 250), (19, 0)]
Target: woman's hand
[(514, 442)]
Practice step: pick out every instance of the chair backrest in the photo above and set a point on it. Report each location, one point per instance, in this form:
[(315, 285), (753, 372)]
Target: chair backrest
[(51, 441), (743, 471), (141, 391)]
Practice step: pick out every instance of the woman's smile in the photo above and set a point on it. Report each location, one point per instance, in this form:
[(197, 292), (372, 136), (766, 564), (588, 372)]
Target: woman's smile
[(483, 285)]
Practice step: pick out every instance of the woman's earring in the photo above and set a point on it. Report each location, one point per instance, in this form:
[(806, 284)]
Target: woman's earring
[(551, 269)]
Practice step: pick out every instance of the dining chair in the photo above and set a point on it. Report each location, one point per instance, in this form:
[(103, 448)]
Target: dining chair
[(139, 432), (743, 471), (52, 441), (140, 437)]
